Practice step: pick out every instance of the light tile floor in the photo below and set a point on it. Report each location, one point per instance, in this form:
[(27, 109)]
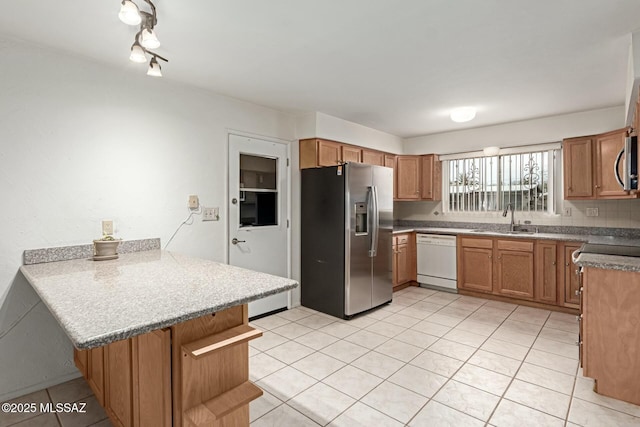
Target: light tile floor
[(427, 359)]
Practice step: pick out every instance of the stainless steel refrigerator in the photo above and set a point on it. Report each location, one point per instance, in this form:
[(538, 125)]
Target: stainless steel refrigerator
[(346, 226)]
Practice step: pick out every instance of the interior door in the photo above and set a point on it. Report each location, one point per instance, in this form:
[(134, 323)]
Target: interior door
[(258, 212)]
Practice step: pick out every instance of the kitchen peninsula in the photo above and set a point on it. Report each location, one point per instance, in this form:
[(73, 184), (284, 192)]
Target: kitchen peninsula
[(160, 337)]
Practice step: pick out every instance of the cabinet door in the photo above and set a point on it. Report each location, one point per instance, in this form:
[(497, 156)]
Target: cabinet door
[(389, 161), (329, 153), (152, 384), (404, 264), (431, 185), (95, 376), (373, 158), (81, 359), (607, 147), (546, 272), (119, 382), (476, 269), (351, 154), (408, 177), (578, 170), (515, 273), (571, 279)]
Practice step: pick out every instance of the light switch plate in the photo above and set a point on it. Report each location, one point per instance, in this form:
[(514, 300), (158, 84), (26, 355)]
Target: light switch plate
[(107, 227), (592, 211), (566, 212)]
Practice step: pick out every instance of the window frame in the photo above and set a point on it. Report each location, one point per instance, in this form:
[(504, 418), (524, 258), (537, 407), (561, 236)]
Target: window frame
[(554, 176)]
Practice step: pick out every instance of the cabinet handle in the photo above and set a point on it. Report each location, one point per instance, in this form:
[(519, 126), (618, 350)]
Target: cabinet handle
[(397, 252), (577, 292), (597, 186), (567, 264), (577, 271), (489, 256), (570, 188), (578, 343), (553, 263), (579, 318)]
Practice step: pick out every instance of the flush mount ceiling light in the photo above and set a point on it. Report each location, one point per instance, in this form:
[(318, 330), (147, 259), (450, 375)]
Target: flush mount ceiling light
[(463, 114), (146, 38), (491, 151)]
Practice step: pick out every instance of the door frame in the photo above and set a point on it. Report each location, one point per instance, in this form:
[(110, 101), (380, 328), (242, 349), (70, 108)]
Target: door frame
[(287, 143)]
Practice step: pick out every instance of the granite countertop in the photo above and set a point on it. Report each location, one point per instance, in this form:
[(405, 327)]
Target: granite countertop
[(98, 302), (584, 238), (607, 262)]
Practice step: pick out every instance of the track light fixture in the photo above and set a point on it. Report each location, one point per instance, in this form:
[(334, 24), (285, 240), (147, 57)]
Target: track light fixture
[(146, 38)]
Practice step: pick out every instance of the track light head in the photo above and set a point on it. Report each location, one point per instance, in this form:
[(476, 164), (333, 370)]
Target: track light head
[(154, 68), (148, 39), (137, 54), (129, 13)]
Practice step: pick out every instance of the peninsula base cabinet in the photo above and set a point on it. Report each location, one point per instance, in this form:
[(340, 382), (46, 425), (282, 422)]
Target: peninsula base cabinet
[(610, 301), (535, 272), (195, 373)]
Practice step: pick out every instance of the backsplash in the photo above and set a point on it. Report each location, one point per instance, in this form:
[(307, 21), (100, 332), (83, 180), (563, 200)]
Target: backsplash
[(65, 253), (611, 214)]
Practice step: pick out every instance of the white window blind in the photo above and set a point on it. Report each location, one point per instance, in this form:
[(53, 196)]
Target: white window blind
[(482, 184)]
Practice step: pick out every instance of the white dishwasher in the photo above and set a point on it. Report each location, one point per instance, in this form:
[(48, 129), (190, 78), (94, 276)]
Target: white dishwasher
[(437, 261)]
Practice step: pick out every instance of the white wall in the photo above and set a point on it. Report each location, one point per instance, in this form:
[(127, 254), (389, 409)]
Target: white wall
[(547, 129), (80, 142), (612, 213), (320, 125)]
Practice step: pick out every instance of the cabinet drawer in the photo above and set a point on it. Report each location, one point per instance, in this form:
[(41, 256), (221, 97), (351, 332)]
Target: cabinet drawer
[(516, 245), (402, 239), (469, 242)]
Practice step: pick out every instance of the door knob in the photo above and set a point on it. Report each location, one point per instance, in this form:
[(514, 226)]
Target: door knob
[(235, 241)]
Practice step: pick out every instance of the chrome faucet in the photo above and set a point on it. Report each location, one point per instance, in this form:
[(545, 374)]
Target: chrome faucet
[(512, 226)]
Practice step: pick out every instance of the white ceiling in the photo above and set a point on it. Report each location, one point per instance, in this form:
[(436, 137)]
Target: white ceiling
[(396, 66)]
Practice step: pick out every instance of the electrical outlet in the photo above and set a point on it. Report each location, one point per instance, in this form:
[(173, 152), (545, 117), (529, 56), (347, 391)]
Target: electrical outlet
[(566, 212), (193, 202), (210, 214), (592, 211), (107, 227)]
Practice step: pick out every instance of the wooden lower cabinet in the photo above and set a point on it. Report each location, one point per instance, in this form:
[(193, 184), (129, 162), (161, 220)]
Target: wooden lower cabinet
[(570, 297), (514, 269), (522, 269), (404, 259), (194, 374), (610, 333), (118, 366), (546, 284), (475, 264)]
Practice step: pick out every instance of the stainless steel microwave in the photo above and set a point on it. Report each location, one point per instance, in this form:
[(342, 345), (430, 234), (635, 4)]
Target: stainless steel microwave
[(629, 156)]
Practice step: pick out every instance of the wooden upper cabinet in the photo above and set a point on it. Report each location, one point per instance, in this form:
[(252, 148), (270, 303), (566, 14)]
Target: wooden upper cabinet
[(546, 286), (373, 157), (408, 177), (351, 154), (578, 169), (589, 166), (389, 161), (329, 153), (431, 174), (514, 268), (319, 152), (607, 147)]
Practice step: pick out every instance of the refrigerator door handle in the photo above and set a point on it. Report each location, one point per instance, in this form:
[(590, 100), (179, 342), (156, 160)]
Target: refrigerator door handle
[(375, 221)]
